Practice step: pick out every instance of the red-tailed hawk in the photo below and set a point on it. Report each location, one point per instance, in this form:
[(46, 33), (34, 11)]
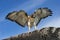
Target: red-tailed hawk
[(21, 17)]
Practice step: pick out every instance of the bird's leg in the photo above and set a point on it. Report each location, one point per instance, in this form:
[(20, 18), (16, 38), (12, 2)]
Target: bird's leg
[(29, 28), (29, 25), (35, 26)]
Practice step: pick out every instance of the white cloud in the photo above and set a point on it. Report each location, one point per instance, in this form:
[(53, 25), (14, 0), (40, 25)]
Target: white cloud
[(53, 23), (31, 4), (2, 19)]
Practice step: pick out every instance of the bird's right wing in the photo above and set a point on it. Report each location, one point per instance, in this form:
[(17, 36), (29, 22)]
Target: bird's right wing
[(19, 17), (41, 13)]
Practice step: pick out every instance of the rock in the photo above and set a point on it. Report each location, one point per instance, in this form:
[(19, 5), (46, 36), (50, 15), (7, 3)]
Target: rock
[(50, 33)]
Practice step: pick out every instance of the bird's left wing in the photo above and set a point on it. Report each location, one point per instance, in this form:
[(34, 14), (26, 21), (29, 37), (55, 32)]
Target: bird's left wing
[(19, 17), (40, 14)]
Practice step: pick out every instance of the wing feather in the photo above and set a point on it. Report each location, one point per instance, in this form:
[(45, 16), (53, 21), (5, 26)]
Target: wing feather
[(19, 17), (12, 16), (22, 18), (41, 13)]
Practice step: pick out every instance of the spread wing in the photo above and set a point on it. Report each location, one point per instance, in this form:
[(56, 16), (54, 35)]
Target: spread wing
[(41, 13), (18, 17)]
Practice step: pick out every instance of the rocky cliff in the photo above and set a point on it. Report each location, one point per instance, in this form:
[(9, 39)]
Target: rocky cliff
[(49, 33)]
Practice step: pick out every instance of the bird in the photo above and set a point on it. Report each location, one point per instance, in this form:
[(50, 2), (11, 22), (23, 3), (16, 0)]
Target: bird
[(20, 17)]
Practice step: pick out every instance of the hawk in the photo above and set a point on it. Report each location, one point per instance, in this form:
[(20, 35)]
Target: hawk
[(21, 17)]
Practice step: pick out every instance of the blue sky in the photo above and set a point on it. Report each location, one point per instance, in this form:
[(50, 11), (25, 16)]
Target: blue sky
[(8, 28)]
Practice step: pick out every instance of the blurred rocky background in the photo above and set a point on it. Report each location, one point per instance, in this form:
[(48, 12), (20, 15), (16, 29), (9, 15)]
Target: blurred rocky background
[(48, 33)]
